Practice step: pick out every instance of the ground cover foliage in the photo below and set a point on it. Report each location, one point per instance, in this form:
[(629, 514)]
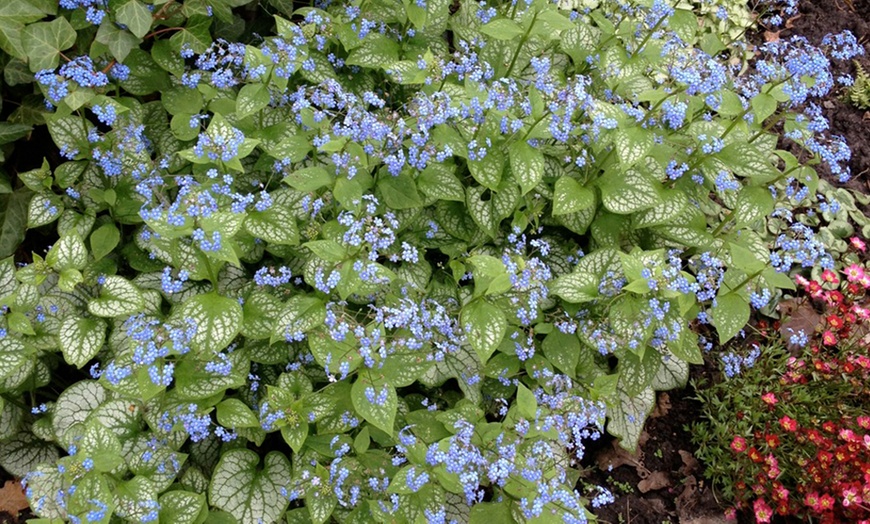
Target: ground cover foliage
[(381, 261)]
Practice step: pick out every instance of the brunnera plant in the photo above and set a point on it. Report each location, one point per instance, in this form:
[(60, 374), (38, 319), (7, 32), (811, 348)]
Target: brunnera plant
[(381, 261)]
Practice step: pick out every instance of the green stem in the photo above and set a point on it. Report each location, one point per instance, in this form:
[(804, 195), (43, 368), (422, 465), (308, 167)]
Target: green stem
[(521, 44)]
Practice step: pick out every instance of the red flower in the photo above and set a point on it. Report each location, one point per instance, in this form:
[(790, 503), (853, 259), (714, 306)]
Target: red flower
[(829, 338), (769, 399), (826, 502), (834, 321), (772, 441), (754, 455), (738, 444), (830, 276), (788, 423)]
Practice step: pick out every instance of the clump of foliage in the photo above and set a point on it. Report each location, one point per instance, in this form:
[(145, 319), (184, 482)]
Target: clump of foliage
[(858, 94), (382, 261), (788, 434)]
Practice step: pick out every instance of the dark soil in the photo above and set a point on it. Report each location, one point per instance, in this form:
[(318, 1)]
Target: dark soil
[(663, 482), (817, 19)]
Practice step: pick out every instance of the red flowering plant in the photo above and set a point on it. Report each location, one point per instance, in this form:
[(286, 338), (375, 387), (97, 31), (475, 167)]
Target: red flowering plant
[(790, 434)]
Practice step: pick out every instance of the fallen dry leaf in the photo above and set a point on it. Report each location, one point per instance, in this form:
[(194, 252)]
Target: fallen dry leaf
[(655, 480), (798, 315), (686, 500), (771, 36), (789, 22), (663, 405), (12, 499), (690, 463)]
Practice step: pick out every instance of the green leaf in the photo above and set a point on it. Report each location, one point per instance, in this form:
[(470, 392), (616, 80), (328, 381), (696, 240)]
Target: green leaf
[(382, 415), (118, 298), (439, 181), (43, 209), (730, 315), (181, 507), (527, 165), (252, 98), (248, 494), (11, 132), (488, 170), (571, 197), (23, 452), (102, 445), (276, 225), (13, 219), (75, 404), (44, 41), (485, 326), (747, 160), (119, 42), (301, 313), (576, 287), (632, 145), (526, 403), (399, 192), (81, 339), (104, 240), (627, 192), (376, 51), (637, 373), (563, 350), (626, 416), (218, 320), (309, 178), (13, 16), (502, 29), (233, 413), (68, 252), (13, 355), (135, 16), (753, 203)]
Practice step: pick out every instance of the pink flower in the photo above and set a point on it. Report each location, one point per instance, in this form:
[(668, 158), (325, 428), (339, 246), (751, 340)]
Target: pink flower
[(738, 444), (829, 338), (769, 399), (830, 276), (858, 244), (854, 273), (763, 513), (788, 423)]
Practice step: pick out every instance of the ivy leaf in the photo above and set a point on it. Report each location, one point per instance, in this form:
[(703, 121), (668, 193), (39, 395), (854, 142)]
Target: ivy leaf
[(81, 339), (118, 298), (218, 320), (135, 16), (527, 165), (382, 415), (485, 325), (250, 495), (13, 219), (195, 34), (44, 41), (730, 315), (13, 16)]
